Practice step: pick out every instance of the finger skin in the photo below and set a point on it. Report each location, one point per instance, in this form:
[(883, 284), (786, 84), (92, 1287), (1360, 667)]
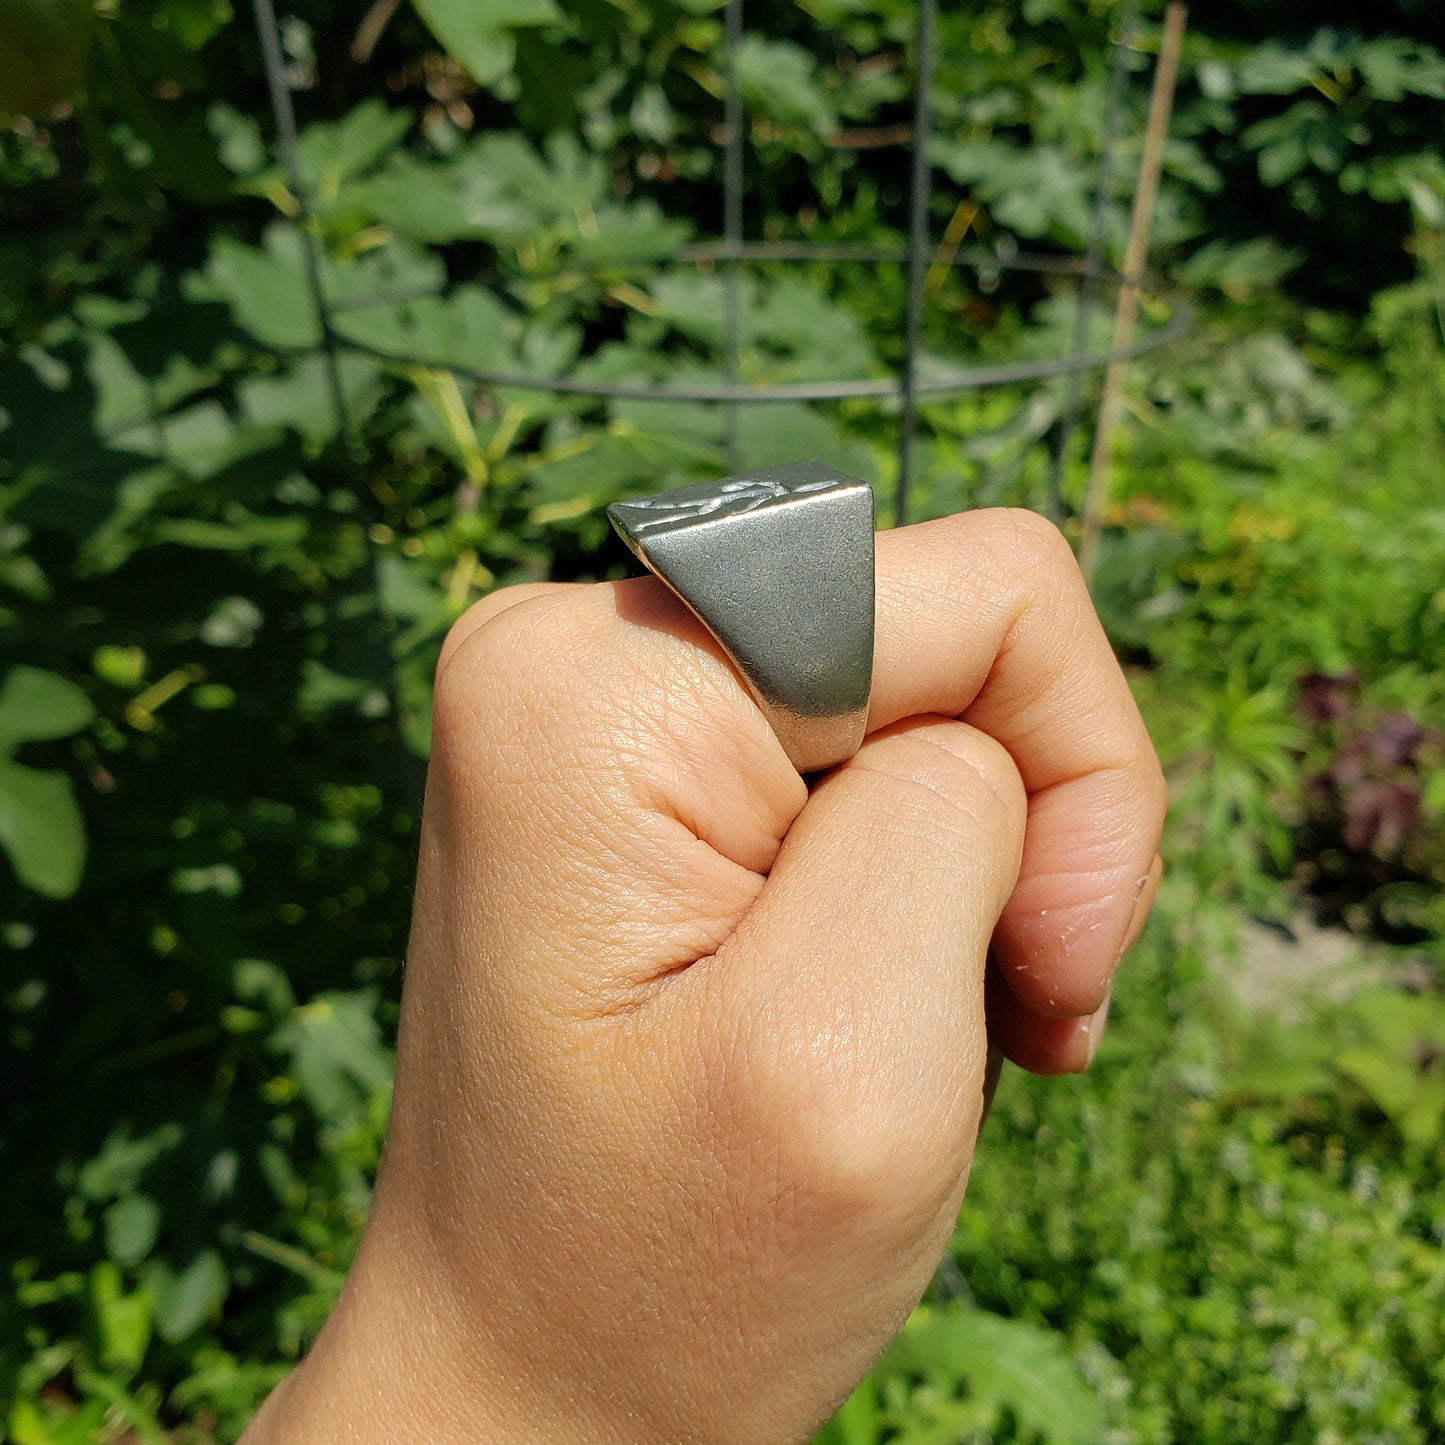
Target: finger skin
[(693, 1056), (986, 617), (852, 994), (631, 1219), (873, 926), (1041, 1045), (493, 605), (1044, 1045)]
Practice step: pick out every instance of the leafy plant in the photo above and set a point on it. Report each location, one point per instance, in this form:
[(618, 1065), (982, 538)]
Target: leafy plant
[(1376, 830), (40, 824), (234, 532), (1385, 1048), (966, 1375), (1225, 1269)]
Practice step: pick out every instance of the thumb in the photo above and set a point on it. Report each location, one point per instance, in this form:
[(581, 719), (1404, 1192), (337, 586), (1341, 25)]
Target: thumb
[(860, 968)]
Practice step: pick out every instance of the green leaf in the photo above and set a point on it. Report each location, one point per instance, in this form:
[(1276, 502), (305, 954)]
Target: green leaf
[(181, 151), (1039, 190), (1394, 67), (1283, 1062), (41, 829), (406, 589), (1004, 1363), (858, 1422), (1401, 1022), (278, 533), (259, 981), (322, 690), (1273, 69), (1233, 268), (121, 1161), (468, 330), (474, 32), (628, 459), (185, 1301), (628, 235), (219, 878), (36, 706), (131, 1226), (192, 22), (779, 80), (565, 182), (461, 199), (31, 1422), (238, 138), (784, 431), (44, 52), (1413, 1103), (301, 395), (1288, 143), (497, 189), (269, 294), (266, 288), (122, 1321), (333, 153), (124, 396), (199, 441), (336, 1052)]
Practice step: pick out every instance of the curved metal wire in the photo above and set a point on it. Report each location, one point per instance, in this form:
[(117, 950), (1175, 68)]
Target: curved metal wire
[(907, 388), (965, 378)]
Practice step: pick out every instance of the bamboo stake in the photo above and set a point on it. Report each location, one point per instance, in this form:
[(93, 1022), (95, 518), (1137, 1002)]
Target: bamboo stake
[(1136, 253)]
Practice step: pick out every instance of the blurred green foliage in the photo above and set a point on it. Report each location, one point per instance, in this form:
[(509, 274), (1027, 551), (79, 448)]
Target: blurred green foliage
[(232, 536)]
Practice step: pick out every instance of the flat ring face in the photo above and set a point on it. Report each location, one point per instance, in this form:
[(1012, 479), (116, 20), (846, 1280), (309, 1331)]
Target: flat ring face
[(778, 565)]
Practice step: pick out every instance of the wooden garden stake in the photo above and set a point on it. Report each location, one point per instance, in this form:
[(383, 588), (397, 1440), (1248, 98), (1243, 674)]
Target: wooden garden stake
[(1161, 103)]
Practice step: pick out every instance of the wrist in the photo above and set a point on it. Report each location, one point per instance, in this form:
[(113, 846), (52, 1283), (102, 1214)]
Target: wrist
[(397, 1361)]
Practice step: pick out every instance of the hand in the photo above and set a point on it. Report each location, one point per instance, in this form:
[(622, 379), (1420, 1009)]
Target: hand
[(692, 1058)]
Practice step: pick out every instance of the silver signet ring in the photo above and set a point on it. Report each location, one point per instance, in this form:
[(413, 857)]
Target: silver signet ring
[(778, 565)]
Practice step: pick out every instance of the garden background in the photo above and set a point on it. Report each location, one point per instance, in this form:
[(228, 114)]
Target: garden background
[(221, 604)]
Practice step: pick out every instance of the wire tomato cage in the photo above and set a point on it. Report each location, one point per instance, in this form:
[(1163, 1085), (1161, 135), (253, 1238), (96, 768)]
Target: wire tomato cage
[(906, 389)]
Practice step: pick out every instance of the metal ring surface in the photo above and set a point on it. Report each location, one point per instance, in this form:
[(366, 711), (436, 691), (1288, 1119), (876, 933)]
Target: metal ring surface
[(778, 565)]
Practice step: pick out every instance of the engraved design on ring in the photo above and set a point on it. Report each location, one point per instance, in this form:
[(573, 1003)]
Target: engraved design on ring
[(778, 565)]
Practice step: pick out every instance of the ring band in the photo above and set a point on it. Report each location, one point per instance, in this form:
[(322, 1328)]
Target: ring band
[(778, 566)]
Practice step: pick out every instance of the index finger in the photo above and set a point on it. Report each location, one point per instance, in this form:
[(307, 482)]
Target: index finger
[(985, 616)]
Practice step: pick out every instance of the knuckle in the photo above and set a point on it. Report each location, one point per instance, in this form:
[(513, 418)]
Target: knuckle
[(1036, 540), (965, 771), (1024, 556), (499, 657), (479, 616)]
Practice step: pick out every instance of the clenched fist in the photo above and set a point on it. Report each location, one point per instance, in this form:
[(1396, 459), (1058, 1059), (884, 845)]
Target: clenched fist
[(693, 1056)]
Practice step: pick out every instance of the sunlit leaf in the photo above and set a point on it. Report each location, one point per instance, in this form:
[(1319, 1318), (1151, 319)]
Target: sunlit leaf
[(131, 1226), (36, 705), (780, 80), (1005, 1363), (123, 1318), (469, 330), (335, 1051), (334, 152), (266, 288), (476, 32), (304, 396), (41, 829), (187, 1299), (452, 201)]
